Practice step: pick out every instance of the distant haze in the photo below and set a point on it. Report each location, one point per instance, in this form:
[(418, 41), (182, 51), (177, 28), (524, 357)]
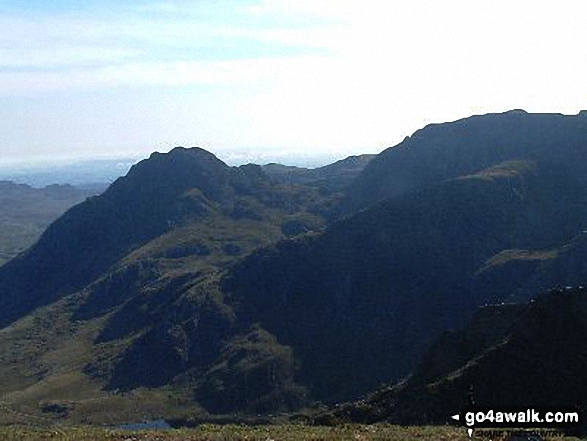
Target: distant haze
[(250, 80), (86, 172), (83, 173)]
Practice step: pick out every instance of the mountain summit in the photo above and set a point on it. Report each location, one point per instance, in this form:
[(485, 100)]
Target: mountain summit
[(439, 152), (158, 195)]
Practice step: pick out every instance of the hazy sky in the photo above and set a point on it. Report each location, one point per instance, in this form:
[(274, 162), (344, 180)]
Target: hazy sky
[(251, 79)]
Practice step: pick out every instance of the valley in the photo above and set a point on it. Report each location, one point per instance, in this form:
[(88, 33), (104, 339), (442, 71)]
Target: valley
[(25, 212)]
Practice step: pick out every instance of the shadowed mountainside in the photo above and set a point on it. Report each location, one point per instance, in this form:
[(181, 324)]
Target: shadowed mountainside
[(445, 151), (129, 278), (401, 272), (213, 289), (156, 197), (526, 355)]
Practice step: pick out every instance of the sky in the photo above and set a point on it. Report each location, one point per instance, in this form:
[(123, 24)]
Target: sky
[(267, 80)]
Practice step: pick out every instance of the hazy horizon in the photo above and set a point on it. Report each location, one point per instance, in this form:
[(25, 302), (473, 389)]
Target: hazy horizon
[(297, 158), (41, 171), (289, 158)]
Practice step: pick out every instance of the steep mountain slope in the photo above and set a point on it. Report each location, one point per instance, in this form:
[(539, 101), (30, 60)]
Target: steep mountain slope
[(157, 196), (445, 151), (25, 212), (528, 355), (121, 273), (399, 273), (359, 302)]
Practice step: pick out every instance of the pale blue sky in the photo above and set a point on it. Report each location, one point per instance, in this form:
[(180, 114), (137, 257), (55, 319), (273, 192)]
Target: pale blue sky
[(259, 79)]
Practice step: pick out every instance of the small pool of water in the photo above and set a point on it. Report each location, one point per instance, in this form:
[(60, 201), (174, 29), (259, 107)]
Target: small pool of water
[(147, 425)]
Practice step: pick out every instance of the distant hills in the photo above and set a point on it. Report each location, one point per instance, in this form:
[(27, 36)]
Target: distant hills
[(332, 177), (192, 289), (25, 212), (92, 174)]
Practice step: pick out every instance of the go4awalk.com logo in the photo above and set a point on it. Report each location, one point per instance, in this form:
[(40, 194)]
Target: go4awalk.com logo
[(520, 418)]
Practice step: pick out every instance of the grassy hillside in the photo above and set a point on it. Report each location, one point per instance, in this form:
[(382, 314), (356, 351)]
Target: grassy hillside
[(132, 271)]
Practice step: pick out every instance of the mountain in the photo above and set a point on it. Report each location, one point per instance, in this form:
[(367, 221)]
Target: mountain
[(329, 178), (192, 289), (133, 270), (388, 279), (404, 270), (526, 355), (396, 275), (446, 151), (25, 212), (156, 197)]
